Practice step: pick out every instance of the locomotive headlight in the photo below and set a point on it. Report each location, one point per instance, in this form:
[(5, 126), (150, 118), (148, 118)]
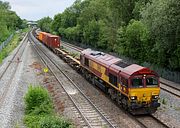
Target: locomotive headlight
[(133, 97), (156, 97)]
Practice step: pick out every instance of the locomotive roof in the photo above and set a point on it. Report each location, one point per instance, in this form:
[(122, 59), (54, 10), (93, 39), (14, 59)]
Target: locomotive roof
[(116, 63), (133, 68), (100, 57)]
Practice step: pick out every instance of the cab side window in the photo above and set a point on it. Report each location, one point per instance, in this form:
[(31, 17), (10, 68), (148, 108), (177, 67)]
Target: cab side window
[(124, 81), (81, 59), (113, 79), (87, 62)]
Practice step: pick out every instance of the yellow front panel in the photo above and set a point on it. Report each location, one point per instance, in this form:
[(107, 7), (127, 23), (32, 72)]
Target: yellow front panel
[(144, 94)]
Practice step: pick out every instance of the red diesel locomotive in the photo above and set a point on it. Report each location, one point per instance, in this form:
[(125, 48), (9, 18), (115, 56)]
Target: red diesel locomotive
[(135, 87)]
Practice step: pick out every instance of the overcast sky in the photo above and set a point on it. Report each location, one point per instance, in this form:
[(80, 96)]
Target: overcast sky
[(36, 9)]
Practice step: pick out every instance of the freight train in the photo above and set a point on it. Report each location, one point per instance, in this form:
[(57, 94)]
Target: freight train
[(134, 87)]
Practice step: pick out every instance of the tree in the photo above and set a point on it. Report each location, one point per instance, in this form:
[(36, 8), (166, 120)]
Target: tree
[(162, 18), (45, 24), (134, 40), (9, 21), (56, 23), (4, 5)]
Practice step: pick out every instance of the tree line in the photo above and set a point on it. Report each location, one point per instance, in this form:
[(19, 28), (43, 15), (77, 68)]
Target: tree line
[(144, 30), (9, 21)]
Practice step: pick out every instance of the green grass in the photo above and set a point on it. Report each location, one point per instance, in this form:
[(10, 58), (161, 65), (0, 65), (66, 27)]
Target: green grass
[(10, 47), (177, 108), (73, 54), (26, 29), (164, 101), (39, 110), (12, 44)]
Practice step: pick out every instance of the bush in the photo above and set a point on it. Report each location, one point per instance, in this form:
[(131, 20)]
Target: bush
[(32, 121), (37, 101), (54, 122), (39, 110)]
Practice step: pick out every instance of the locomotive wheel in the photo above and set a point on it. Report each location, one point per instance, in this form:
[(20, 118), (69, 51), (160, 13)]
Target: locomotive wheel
[(118, 100), (124, 103), (112, 94), (93, 80)]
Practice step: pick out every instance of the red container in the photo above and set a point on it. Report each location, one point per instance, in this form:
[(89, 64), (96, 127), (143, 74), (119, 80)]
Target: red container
[(50, 40), (53, 41)]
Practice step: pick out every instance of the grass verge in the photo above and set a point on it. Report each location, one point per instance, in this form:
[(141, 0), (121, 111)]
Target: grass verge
[(39, 112), (12, 44)]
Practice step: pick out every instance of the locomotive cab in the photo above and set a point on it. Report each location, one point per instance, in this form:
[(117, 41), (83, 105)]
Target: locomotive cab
[(144, 91)]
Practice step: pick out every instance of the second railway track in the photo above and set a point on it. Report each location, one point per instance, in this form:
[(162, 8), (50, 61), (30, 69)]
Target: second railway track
[(12, 59)]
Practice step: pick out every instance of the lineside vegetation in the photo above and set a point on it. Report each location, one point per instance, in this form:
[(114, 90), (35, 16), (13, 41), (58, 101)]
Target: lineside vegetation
[(39, 112), (11, 46), (9, 21)]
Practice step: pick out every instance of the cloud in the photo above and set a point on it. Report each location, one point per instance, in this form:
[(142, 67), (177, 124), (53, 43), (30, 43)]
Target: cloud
[(36, 9)]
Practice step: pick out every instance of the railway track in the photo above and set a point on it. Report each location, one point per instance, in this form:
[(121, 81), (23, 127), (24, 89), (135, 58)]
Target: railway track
[(150, 121), (164, 86), (13, 59), (10, 70), (88, 111), (170, 89), (76, 48)]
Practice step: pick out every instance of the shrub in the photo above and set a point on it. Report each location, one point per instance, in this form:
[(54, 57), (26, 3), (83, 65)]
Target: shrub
[(32, 121), (37, 101), (43, 109), (54, 122), (39, 110)]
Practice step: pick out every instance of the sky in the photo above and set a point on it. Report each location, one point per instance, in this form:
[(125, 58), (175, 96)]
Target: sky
[(37, 9)]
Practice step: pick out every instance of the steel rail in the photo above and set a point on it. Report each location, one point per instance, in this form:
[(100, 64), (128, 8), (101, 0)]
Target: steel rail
[(10, 61), (159, 121)]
